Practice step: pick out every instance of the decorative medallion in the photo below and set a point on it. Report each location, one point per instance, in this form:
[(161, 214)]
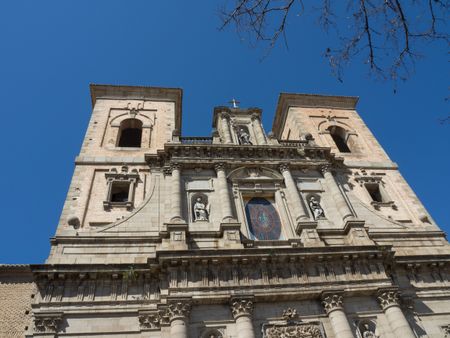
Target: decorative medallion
[(263, 219)]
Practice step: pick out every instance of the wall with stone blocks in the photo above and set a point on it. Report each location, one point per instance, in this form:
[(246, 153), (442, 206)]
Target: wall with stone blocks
[(16, 292), (316, 120)]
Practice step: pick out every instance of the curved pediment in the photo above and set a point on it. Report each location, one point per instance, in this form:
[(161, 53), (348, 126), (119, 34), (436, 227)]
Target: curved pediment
[(254, 174)]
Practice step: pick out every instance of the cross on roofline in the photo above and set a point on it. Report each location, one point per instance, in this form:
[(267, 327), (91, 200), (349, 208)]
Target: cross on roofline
[(234, 102)]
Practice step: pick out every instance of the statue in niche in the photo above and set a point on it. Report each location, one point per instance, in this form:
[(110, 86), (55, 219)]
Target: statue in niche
[(367, 332), (201, 210), (316, 208), (244, 136)]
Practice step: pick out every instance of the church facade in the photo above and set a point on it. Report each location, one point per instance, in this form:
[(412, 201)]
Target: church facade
[(307, 231)]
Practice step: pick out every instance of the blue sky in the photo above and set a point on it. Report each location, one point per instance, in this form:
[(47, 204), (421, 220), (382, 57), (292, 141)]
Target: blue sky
[(52, 50)]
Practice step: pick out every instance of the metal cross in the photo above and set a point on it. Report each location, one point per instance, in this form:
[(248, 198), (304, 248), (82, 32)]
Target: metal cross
[(234, 103)]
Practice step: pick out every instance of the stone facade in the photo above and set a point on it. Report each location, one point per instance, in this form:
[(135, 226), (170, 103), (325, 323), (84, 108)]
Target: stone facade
[(307, 231)]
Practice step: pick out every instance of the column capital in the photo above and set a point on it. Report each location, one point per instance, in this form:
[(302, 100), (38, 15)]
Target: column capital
[(175, 166), (220, 166), (388, 297), (241, 307), (179, 309), (283, 167), (332, 301), (325, 169)]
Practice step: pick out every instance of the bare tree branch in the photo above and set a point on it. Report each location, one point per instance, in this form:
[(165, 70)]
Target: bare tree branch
[(387, 34)]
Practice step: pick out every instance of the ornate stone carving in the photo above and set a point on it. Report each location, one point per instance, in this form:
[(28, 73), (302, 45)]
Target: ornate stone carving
[(290, 314), (243, 136), (316, 208), (241, 307), (212, 333), (388, 298), (178, 309), (47, 322), (332, 302), (297, 331), (201, 210), (150, 320), (366, 329), (325, 168), (283, 167), (220, 166)]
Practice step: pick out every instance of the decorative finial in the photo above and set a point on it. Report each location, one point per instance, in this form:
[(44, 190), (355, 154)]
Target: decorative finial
[(234, 102)]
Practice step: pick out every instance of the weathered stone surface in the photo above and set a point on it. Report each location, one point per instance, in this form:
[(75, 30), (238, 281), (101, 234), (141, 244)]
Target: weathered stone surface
[(340, 245)]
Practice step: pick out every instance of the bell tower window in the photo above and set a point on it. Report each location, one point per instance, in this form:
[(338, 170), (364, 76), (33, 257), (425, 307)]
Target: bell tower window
[(121, 187), (338, 135), (120, 192), (130, 133), (374, 192)]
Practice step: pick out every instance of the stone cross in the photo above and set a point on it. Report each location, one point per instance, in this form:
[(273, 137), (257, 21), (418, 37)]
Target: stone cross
[(234, 102)]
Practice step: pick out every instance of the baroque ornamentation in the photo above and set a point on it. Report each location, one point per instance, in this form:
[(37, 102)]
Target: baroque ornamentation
[(201, 210), (290, 314), (178, 309), (47, 323), (241, 307), (150, 320), (388, 298), (283, 167), (297, 331), (220, 166), (316, 208), (332, 302)]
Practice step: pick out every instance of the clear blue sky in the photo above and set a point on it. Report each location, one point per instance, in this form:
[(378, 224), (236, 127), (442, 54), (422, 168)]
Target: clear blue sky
[(52, 50)]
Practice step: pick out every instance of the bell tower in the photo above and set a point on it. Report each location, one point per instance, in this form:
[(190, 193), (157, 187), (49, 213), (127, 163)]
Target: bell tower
[(307, 231)]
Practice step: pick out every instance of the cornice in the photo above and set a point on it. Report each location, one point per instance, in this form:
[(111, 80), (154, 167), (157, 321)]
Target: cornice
[(287, 100), (140, 93), (204, 154)]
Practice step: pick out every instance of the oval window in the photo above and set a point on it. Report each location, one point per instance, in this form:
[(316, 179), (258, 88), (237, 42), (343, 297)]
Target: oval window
[(263, 220)]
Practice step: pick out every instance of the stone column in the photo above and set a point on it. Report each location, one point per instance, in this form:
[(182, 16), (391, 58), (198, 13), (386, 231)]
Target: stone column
[(388, 300), (332, 303), (176, 193), (226, 128), (242, 310), (259, 131), (178, 312), (336, 193), (222, 187), (296, 203)]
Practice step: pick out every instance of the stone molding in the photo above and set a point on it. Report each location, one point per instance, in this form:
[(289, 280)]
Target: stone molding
[(387, 298), (188, 275), (47, 322), (242, 306), (210, 154), (332, 301)]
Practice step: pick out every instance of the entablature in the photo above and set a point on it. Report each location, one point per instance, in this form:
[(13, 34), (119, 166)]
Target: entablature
[(196, 154)]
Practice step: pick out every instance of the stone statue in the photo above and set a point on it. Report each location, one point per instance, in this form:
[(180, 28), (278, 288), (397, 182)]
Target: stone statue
[(316, 209), (367, 332), (201, 210), (244, 137)]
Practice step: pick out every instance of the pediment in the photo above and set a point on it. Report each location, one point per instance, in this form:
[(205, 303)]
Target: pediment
[(254, 174)]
